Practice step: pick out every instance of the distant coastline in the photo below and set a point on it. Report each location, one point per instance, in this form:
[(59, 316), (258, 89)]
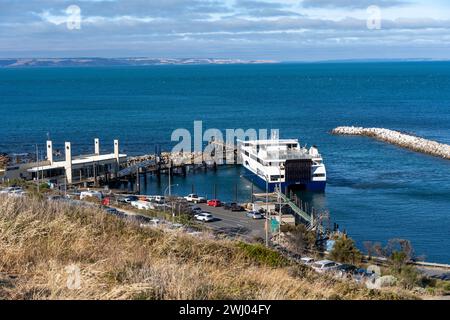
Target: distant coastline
[(106, 62), (146, 61)]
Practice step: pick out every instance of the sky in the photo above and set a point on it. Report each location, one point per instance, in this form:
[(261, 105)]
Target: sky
[(281, 30)]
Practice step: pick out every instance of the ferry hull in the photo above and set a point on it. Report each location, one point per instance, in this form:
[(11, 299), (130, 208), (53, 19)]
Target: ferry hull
[(313, 186)]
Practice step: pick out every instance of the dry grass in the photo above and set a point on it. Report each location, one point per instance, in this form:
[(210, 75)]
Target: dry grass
[(40, 240)]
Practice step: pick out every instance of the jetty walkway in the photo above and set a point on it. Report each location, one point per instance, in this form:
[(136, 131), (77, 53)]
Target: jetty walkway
[(400, 139)]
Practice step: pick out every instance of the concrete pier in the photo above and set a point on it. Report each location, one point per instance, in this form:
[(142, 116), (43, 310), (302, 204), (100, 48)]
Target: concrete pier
[(399, 139)]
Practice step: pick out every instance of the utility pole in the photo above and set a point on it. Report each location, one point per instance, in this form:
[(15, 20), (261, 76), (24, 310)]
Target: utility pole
[(138, 187), (267, 211), (170, 178), (37, 172), (279, 204), (65, 184)]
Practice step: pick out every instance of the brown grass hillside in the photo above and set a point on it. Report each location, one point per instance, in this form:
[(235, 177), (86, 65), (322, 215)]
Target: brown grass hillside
[(42, 242)]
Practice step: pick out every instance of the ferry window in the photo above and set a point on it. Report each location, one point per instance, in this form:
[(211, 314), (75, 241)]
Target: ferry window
[(319, 175), (274, 178), (246, 153)]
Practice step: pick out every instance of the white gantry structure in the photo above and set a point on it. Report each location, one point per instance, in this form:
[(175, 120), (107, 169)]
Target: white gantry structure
[(70, 169)]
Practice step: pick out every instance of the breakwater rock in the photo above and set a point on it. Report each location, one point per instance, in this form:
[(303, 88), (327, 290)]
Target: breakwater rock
[(400, 139)]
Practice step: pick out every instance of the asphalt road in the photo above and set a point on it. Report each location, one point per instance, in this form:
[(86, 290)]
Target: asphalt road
[(236, 223)]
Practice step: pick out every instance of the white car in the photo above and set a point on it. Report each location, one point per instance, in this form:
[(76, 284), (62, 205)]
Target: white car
[(11, 190), (194, 198), (307, 260), (325, 266), (142, 205), (92, 194), (155, 221), (17, 193), (157, 199), (205, 217)]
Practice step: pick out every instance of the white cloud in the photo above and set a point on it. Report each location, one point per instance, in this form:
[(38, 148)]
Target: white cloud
[(183, 25)]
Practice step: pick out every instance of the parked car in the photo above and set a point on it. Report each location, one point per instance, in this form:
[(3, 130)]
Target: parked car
[(55, 197), (346, 270), (196, 210), (155, 221), (325, 266), (111, 210), (199, 213), (73, 195), (11, 190), (127, 199), (157, 199), (444, 276), (92, 194), (17, 193), (255, 215), (236, 207), (142, 205), (204, 216), (226, 205), (307, 260), (233, 206), (195, 198), (361, 275), (214, 203)]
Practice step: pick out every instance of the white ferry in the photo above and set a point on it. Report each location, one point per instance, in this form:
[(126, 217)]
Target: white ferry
[(283, 161)]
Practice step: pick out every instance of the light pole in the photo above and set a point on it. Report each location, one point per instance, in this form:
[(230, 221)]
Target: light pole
[(267, 209), (279, 202), (266, 224), (37, 172), (169, 187)]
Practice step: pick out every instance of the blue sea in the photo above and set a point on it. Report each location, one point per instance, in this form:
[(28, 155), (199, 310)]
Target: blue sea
[(375, 191)]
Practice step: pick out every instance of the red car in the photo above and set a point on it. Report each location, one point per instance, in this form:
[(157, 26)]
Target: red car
[(214, 203)]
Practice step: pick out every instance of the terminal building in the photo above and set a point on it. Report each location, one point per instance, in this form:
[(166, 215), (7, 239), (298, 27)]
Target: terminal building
[(70, 169)]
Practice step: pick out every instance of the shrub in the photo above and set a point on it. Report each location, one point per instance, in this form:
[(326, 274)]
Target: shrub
[(409, 277), (345, 251), (398, 253), (300, 238), (262, 255)]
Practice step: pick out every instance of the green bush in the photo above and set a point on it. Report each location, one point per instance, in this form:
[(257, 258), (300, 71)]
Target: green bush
[(345, 251), (262, 255), (409, 277)]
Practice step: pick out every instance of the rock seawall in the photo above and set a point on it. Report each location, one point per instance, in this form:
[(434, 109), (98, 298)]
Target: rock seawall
[(399, 139)]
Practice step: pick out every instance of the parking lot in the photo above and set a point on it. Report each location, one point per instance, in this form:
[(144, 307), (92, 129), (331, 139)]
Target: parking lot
[(236, 223)]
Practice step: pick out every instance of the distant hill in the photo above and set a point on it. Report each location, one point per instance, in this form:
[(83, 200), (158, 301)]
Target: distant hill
[(103, 62)]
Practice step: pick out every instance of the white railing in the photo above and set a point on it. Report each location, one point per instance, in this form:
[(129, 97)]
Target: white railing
[(285, 155)]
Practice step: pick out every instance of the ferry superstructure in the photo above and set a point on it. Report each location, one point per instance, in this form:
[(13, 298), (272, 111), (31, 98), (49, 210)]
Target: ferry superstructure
[(274, 162)]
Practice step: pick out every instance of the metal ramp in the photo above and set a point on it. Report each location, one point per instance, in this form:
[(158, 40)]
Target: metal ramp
[(302, 214), (132, 169), (309, 220)]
